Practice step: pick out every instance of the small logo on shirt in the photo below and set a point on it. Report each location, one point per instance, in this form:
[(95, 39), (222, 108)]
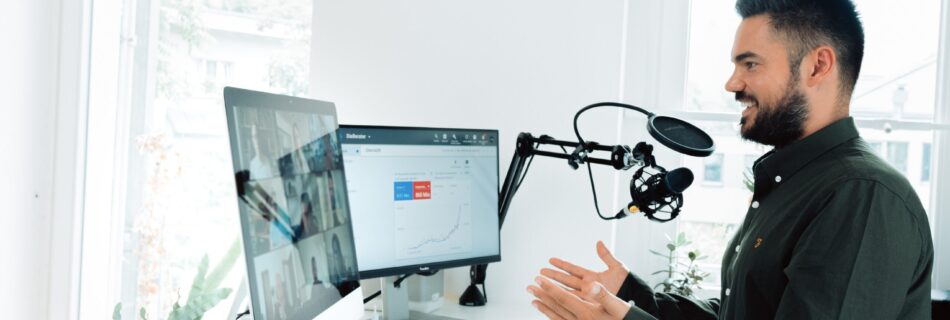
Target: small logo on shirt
[(758, 242)]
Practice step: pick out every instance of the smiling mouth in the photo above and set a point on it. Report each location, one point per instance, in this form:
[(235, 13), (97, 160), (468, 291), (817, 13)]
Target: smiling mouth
[(749, 104), (747, 111)]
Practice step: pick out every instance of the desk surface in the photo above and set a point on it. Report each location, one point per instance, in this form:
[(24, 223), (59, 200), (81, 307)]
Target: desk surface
[(495, 309)]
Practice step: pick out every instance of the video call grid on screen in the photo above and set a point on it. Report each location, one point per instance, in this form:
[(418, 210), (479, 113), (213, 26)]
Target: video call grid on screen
[(295, 218), (421, 198)]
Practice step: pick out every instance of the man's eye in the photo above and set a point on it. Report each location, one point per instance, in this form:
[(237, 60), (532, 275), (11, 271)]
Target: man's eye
[(750, 65)]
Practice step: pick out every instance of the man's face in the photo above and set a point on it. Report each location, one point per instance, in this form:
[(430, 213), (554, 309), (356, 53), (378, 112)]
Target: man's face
[(775, 108)]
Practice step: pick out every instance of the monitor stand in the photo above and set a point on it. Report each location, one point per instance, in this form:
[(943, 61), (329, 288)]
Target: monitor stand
[(396, 303)]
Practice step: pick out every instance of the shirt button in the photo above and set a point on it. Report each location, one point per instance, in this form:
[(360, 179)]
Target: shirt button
[(778, 179), (755, 204), (727, 291), (737, 249)]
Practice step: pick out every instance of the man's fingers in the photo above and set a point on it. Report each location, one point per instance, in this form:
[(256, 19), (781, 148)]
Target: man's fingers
[(606, 256), (551, 314), (597, 293), (570, 301), (571, 268), (564, 278), (549, 302)]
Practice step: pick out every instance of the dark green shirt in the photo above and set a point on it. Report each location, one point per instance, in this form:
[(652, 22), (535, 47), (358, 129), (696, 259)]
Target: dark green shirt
[(833, 232)]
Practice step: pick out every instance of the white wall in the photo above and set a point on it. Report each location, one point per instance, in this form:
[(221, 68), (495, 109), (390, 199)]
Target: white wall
[(511, 65), (29, 81)]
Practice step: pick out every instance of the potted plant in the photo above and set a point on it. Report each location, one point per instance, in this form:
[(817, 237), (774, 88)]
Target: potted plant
[(682, 278)]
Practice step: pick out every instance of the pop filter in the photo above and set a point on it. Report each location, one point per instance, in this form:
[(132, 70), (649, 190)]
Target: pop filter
[(676, 134), (681, 136)]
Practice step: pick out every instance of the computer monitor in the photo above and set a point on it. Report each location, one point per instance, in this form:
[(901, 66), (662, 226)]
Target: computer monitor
[(421, 199), (292, 200)]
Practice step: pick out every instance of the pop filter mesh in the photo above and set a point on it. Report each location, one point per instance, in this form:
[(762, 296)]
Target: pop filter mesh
[(682, 132)]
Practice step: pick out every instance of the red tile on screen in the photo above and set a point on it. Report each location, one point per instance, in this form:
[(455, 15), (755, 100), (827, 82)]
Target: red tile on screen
[(421, 190)]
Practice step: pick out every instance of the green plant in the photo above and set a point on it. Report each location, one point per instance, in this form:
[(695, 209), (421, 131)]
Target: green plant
[(681, 278), (204, 293)]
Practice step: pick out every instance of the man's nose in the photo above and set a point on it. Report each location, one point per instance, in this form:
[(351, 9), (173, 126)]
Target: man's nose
[(734, 84)]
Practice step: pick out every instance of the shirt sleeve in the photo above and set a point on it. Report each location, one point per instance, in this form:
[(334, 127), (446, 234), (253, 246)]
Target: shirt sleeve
[(865, 255), (647, 304)]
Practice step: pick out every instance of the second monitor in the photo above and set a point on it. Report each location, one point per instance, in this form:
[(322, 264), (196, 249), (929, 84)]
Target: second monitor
[(421, 199)]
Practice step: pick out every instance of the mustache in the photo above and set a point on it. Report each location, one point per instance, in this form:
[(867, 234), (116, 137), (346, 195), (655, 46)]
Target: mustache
[(743, 96)]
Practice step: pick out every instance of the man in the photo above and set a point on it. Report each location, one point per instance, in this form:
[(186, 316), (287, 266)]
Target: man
[(832, 231)]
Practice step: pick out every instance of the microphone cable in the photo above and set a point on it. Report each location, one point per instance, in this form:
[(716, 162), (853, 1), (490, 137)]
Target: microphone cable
[(590, 172), (606, 104)]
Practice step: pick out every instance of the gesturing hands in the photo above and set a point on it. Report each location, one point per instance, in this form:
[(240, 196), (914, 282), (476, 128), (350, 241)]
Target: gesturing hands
[(585, 294), (612, 278)]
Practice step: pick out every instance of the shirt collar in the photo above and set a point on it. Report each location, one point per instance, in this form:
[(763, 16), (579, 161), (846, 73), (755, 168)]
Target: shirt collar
[(782, 163)]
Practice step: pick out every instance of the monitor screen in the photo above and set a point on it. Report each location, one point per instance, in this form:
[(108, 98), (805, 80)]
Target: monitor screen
[(293, 204), (421, 199)]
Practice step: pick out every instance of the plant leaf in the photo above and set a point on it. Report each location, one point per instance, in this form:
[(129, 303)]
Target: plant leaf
[(201, 303), (224, 266), (117, 311), (198, 285)]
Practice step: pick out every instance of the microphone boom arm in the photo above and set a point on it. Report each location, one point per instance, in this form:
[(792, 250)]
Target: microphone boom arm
[(678, 135), (526, 147)]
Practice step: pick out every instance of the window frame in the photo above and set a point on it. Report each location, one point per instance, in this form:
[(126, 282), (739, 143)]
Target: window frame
[(119, 83), (75, 23), (940, 149), (102, 189)]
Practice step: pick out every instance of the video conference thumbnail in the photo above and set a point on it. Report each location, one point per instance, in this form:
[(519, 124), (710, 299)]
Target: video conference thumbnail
[(295, 212)]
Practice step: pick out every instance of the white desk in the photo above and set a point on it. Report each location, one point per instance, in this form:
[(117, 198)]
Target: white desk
[(495, 309)]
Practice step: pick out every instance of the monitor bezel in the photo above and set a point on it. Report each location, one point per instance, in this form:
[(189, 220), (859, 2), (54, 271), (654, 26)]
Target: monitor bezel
[(436, 266), (265, 100)]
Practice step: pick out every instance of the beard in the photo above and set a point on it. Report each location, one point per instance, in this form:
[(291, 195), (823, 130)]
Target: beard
[(780, 124)]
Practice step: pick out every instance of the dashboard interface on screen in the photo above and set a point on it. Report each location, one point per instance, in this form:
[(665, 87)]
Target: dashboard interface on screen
[(421, 198), (295, 221)]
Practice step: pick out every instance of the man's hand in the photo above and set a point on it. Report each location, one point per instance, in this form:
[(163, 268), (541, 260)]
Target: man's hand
[(612, 278), (591, 301)]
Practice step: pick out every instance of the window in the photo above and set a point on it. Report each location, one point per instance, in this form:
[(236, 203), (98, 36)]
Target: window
[(897, 155), (712, 170), (184, 188), (215, 75), (900, 149), (893, 86), (925, 163), (876, 147)]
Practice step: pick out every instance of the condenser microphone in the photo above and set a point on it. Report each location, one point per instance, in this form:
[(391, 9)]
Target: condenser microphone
[(660, 191), (654, 190), (663, 185)]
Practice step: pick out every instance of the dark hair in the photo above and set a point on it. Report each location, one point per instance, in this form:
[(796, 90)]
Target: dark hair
[(807, 24)]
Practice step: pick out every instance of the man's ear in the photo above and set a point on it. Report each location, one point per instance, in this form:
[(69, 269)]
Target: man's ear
[(821, 63)]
